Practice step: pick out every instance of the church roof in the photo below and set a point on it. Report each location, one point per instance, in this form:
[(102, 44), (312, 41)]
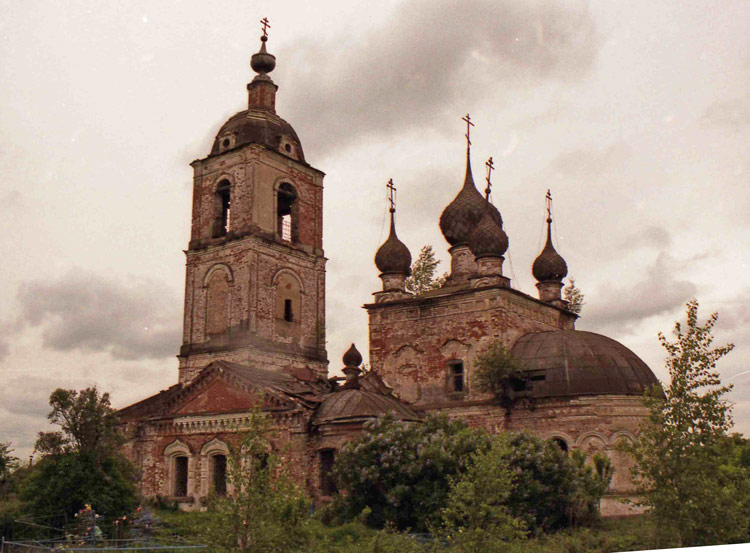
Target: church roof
[(357, 405), (460, 218), (393, 256), (258, 127), (576, 362), (288, 391)]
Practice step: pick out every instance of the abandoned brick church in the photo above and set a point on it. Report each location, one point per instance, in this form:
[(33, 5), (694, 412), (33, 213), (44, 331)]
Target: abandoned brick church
[(255, 321)]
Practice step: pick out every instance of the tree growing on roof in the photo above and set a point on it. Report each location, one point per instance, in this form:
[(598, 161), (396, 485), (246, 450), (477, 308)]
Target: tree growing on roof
[(423, 277)]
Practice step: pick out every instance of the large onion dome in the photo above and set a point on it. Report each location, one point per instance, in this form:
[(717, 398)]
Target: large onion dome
[(549, 265), (488, 238), (460, 218), (393, 256)]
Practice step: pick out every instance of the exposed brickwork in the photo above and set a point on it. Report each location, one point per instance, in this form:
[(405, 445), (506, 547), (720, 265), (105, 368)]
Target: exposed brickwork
[(412, 341)]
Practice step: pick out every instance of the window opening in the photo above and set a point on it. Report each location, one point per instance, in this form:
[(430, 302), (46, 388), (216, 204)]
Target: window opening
[(288, 315), (286, 212), (327, 482), (559, 442), (225, 202), (456, 376), (219, 474), (180, 476)]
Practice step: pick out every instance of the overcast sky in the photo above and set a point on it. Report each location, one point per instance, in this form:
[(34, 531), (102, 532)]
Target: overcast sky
[(635, 114)]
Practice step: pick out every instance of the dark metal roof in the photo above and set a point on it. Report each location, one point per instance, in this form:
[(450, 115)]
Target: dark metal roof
[(462, 215), (393, 256), (488, 238), (576, 362), (353, 405), (549, 265), (258, 127)]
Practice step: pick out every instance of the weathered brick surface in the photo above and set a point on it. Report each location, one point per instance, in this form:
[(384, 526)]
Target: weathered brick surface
[(411, 341), (235, 283)]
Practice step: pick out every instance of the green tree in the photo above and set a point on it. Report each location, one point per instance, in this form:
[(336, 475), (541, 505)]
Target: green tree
[(423, 278), (81, 464), (402, 471), (8, 462), (264, 511), (477, 516), (497, 372), (573, 295), (695, 490)]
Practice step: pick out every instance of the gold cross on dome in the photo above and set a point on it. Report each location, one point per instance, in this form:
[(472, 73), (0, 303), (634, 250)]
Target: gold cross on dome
[(469, 124), (391, 194), (490, 166), (266, 26)]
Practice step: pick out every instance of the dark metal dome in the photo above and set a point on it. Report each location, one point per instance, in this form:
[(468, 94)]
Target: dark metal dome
[(393, 256), (575, 362), (462, 215), (549, 265), (262, 62), (257, 127), (488, 238), (357, 405), (352, 357)]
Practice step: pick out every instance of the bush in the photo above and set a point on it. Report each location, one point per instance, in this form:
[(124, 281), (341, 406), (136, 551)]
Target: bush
[(402, 471)]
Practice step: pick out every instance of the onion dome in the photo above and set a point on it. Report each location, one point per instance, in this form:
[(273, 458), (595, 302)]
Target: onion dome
[(262, 62), (549, 265), (352, 358), (488, 238), (460, 218), (393, 256), (575, 362)]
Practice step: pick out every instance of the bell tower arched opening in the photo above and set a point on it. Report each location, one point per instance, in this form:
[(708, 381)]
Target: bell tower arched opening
[(287, 213), (223, 206)]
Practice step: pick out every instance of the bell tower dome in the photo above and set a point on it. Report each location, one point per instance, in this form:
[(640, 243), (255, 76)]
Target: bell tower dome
[(255, 278)]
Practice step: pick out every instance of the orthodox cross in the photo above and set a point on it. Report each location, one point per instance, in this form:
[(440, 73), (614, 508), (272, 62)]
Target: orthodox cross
[(391, 195), (469, 124), (490, 166), (548, 197), (266, 26)]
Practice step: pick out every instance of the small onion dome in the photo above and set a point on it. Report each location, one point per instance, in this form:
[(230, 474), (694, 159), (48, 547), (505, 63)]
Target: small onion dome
[(352, 358), (462, 215), (488, 238), (262, 62), (393, 256), (549, 266)]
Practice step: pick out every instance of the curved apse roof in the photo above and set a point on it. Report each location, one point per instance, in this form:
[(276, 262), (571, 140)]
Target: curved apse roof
[(576, 362)]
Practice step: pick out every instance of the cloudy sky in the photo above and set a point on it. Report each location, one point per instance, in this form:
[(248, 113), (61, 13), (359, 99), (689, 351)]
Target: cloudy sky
[(636, 115)]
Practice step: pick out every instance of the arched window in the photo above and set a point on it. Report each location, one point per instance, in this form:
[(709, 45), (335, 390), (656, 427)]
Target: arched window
[(180, 482), (562, 444), (456, 376), (217, 303), (223, 205), (327, 483), (287, 212), (288, 296), (219, 474)]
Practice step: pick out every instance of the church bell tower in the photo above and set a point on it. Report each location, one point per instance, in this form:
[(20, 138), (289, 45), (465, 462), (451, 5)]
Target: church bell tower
[(255, 282)]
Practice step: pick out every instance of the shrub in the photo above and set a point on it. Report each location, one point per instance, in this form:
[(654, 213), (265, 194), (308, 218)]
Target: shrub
[(402, 471)]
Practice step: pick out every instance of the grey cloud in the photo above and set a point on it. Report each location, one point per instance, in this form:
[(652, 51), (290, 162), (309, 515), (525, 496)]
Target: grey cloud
[(82, 311), (583, 163), (733, 114), (432, 57), (651, 236), (622, 308)]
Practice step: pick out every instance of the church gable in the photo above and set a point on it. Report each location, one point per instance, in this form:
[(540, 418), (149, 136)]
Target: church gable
[(218, 397)]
